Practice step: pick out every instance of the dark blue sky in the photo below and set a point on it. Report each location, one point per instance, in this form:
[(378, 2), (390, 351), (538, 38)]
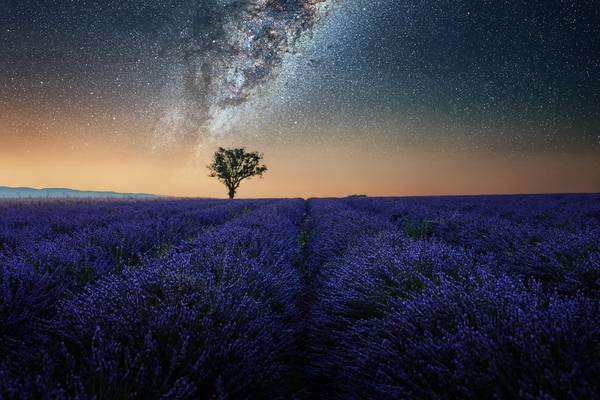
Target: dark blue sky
[(529, 70), (504, 77)]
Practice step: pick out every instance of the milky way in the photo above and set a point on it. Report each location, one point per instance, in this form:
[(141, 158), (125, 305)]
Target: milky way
[(501, 76), (356, 92), (224, 53)]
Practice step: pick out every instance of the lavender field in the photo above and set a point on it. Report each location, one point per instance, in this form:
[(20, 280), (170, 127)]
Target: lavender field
[(350, 298)]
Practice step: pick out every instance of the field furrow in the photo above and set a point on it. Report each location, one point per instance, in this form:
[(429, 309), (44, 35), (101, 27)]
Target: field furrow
[(355, 298)]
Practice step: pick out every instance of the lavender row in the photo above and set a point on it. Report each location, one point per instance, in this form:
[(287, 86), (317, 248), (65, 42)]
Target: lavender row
[(24, 225), (331, 298), (214, 318), (559, 210), (36, 275), (554, 239), (86, 248), (399, 315)]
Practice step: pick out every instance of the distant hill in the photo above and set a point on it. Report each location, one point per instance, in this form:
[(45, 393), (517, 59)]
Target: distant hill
[(54, 193)]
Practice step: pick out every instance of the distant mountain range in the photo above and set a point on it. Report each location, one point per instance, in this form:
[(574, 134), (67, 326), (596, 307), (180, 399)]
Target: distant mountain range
[(26, 192)]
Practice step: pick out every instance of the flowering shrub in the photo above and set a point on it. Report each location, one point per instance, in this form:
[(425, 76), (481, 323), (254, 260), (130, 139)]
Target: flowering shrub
[(476, 311), (354, 298)]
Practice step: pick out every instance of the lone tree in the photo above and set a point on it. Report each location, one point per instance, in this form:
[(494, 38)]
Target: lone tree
[(232, 166)]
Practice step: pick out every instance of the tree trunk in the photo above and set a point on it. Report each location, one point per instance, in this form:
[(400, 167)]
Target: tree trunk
[(231, 193)]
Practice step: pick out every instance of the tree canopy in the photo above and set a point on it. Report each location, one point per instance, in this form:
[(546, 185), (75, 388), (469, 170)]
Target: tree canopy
[(232, 166)]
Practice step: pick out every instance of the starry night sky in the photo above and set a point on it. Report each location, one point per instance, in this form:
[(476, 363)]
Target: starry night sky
[(384, 97)]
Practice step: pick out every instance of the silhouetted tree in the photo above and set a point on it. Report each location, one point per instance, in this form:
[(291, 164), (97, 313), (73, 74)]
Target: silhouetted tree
[(231, 166)]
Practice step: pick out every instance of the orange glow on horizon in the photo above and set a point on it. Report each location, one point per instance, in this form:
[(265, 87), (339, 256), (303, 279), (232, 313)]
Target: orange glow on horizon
[(295, 170)]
